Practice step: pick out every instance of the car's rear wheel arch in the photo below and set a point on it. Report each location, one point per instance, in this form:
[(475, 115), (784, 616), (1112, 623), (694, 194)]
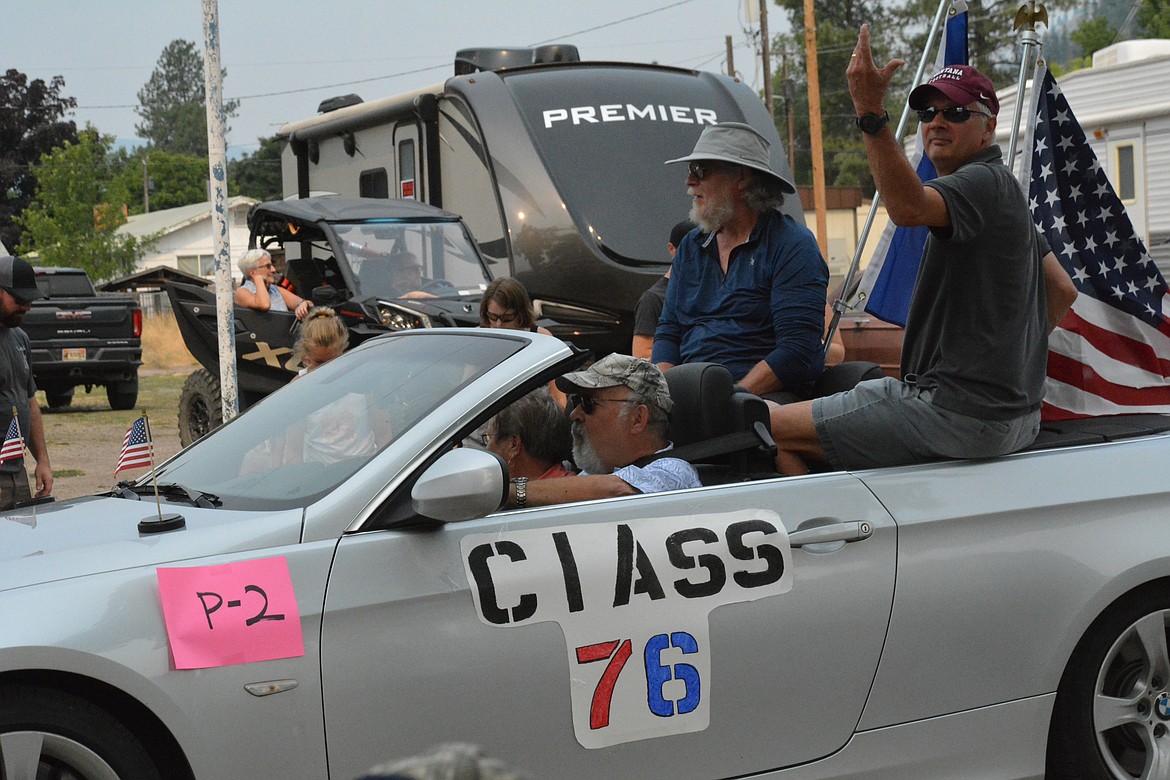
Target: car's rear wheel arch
[(1072, 748), (151, 732)]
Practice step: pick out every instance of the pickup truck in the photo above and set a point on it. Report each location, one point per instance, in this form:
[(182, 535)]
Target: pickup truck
[(82, 338)]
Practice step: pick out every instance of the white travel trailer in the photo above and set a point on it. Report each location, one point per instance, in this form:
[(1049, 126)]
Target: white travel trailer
[(1126, 119)]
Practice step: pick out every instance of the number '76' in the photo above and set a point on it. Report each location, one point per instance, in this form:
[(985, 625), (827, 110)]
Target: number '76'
[(657, 675)]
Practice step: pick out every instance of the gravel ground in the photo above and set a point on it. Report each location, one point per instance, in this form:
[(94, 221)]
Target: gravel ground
[(85, 438)]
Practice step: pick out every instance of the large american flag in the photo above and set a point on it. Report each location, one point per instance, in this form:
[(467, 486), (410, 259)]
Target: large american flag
[(1111, 353), (13, 447), (137, 449)]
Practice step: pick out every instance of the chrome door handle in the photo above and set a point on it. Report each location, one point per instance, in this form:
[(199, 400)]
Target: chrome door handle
[(836, 532)]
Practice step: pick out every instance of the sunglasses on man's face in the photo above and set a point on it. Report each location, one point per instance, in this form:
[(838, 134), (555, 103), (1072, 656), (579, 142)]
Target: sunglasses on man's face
[(588, 403), (956, 115), (701, 170)]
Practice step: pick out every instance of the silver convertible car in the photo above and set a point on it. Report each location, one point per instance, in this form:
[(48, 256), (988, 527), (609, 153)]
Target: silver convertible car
[(281, 616)]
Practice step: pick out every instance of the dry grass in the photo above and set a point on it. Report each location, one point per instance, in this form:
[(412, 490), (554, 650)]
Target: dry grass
[(162, 344)]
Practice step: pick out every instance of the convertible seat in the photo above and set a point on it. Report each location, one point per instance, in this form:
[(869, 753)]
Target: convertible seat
[(1094, 430), (723, 431)]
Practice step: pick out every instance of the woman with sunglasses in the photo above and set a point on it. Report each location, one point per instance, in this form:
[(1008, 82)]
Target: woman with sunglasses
[(505, 305), (260, 291)]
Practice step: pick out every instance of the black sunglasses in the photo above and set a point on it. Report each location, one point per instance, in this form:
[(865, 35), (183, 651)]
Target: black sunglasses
[(588, 403), (956, 115), (701, 170)]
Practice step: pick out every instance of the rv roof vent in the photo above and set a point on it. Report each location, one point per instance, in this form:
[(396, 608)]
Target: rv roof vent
[(1130, 51), (472, 60), (340, 101)]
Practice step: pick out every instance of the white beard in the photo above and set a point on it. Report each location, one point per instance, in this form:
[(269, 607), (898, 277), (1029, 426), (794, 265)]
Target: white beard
[(584, 455), (718, 212)]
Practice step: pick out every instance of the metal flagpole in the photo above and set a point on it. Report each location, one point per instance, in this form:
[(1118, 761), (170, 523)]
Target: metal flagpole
[(840, 305), (1026, 18)]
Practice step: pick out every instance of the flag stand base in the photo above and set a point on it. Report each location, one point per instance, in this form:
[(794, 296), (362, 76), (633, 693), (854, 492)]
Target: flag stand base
[(157, 525)]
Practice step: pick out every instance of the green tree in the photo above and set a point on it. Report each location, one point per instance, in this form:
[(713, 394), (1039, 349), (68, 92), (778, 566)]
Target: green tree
[(31, 123), (1154, 18), (257, 175), (171, 103), (174, 179), (77, 209)]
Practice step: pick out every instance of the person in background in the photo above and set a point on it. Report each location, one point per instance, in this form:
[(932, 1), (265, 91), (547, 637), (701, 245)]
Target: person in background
[(260, 291), (505, 305), (621, 427), (748, 288), (649, 307), (18, 289), (344, 427), (323, 337), (532, 435)]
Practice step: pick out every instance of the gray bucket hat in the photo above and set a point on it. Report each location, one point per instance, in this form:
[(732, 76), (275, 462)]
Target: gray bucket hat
[(735, 142), (638, 374)]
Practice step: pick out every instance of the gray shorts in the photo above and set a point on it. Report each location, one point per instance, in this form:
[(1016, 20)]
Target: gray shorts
[(884, 422)]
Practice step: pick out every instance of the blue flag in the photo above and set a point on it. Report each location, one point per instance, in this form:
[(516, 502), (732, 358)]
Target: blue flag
[(889, 279)]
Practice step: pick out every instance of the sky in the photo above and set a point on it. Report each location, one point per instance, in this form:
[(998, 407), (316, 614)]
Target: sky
[(282, 57)]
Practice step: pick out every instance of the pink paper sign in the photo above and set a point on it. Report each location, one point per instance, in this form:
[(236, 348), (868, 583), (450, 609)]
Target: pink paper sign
[(235, 613)]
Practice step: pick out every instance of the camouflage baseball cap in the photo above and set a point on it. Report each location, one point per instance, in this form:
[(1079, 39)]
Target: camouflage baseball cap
[(638, 374)]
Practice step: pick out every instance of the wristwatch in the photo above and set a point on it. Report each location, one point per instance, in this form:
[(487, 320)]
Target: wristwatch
[(871, 124), (521, 484)]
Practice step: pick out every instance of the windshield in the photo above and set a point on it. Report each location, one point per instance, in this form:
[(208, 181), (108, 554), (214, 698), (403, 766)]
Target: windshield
[(411, 259), (308, 437)]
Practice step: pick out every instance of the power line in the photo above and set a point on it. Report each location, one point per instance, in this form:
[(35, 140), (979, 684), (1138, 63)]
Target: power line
[(611, 24)]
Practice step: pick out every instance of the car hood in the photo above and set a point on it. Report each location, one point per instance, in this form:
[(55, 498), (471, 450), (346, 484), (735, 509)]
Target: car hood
[(97, 534)]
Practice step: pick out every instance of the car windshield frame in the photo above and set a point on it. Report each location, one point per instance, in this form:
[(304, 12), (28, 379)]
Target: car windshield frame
[(290, 449)]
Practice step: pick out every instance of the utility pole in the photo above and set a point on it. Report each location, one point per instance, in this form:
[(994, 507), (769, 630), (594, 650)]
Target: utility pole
[(217, 167), (146, 183), (789, 98), (814, 126), (765, 50), (730, 56)]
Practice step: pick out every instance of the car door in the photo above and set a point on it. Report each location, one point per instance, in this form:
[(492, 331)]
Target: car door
[(615, 677)]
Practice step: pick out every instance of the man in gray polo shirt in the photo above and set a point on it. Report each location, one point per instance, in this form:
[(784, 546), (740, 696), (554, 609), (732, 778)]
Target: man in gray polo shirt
[(974, 354)]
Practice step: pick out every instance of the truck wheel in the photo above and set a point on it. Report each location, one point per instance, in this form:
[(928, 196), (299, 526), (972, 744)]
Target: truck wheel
[(123, 395), (59, 400), (200, 406), (46, 733)]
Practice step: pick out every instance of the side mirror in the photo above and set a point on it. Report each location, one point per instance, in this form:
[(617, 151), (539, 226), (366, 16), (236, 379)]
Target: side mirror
[(463, 484)]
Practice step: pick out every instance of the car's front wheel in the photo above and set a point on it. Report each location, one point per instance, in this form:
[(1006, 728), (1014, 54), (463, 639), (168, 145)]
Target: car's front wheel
[(1112, 713), (51, 734)]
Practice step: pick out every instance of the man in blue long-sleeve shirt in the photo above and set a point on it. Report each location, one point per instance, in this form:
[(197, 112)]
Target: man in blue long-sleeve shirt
[(747, 288)]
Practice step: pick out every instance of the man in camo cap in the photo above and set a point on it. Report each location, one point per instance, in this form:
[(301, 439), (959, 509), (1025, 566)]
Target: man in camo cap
[(620, 411)]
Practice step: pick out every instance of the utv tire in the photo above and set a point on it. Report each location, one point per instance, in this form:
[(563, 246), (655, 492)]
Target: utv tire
[(58, 399), (52, 734), (123, 395), (200, 407), (1110, 719)]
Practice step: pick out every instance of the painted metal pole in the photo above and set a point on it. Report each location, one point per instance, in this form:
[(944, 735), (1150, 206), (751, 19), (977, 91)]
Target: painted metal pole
[(217, 169), (840, 305)]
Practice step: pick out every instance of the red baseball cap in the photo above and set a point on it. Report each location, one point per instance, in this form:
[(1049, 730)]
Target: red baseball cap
[(961, 83)]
